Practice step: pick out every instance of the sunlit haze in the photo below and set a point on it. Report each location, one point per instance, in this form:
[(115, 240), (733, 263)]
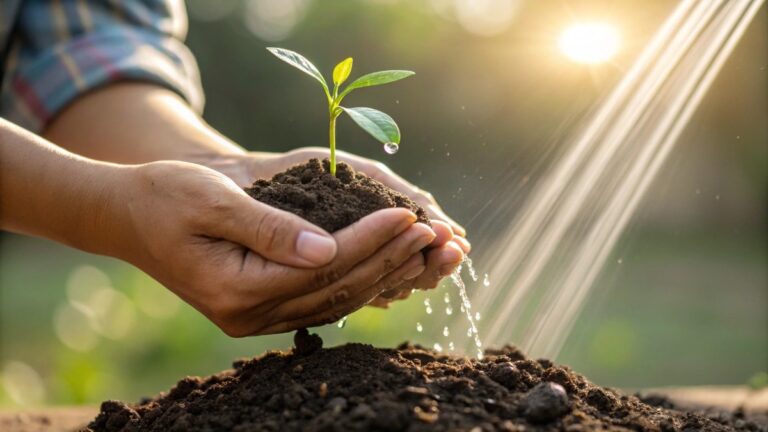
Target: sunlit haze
[(590, 42)]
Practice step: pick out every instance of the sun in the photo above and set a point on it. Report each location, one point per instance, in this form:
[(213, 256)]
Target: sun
[(589, 42)]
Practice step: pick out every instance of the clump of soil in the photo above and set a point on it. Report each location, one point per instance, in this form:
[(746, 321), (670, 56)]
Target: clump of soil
[(357, 387), (332, 203)]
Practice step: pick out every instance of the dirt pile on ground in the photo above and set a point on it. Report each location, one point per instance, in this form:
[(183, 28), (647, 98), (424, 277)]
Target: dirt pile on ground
[(358, 387), (332, 203)]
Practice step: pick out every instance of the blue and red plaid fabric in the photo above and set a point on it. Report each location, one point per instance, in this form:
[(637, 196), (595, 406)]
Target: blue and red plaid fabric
[(57, 50)]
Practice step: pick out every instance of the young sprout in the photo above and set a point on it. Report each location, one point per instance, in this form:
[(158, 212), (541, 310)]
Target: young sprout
[(380, 125)]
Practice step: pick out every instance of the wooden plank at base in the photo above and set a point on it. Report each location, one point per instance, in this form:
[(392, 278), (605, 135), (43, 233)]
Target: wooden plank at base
[(63, 419)]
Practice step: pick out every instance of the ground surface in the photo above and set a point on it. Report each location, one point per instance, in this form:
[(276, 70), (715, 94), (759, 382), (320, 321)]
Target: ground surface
[(332, 203), (358, 387)]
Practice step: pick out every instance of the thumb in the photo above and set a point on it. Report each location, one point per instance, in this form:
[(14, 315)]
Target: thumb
[(278, 235)]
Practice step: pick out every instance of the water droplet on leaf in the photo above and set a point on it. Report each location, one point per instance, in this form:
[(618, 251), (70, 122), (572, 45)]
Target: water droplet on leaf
[(391, 148)]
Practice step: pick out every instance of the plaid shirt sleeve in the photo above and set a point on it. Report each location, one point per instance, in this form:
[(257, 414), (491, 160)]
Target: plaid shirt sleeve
[(61, 49)]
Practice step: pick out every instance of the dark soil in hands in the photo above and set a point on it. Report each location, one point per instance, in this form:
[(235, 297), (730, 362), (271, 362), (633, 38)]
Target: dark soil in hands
[(357, 387), (332, 203)]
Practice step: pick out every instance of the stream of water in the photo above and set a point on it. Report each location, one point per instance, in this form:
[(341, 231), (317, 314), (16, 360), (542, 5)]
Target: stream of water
[(546, 263)]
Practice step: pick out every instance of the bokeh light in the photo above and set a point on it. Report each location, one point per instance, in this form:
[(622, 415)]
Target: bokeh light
[(590, 42), (22, 383)]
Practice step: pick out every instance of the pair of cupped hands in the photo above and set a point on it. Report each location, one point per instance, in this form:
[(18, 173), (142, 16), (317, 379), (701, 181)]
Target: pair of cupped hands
[(253, 269)]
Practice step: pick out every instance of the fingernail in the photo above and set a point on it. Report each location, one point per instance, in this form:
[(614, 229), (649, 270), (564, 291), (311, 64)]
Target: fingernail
[(463, 243), (315, 248), (423, 240), (404, 224), (414, 272)]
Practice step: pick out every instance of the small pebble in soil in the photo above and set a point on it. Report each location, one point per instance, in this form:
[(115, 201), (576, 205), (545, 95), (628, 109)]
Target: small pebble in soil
[(545, 403), (305, 343)]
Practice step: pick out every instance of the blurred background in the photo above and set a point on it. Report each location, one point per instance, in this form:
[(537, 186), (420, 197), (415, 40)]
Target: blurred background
[(685, 303)]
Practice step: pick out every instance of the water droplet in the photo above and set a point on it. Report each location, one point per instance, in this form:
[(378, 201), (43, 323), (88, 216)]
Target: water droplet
[(445, 331), (619, 260), (462, 308), (451, 346), (447, 298), (391, 148), (342, 322), (419, 328), (437, 347), (486, 281), (469, 332), (429, 310), (427, 306), (477, 316), (448, 310)]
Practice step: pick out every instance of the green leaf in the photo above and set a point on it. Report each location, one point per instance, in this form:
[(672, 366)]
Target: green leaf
[(299, 62), (380, 125), (377, 78), (341, 71)]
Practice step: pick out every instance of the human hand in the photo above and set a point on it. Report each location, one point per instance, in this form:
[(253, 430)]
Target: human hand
[(445, 252), (250, 268)]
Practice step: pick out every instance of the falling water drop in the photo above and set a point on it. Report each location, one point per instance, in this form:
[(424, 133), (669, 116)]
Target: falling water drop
[(437, 347), (445, 331), (451, 347), (427, 306), (477, 316), (447, 298), (419, 328), (471, 268), (391, 148), (469, 332), (462, 308), (486, 281), (448, 310), (342, 322)]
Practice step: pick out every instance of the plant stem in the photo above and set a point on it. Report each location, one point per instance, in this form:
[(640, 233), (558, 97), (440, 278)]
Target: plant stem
[(332, 138)]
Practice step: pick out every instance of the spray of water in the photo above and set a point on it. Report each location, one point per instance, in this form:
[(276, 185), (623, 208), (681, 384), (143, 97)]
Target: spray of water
[(546, 263)]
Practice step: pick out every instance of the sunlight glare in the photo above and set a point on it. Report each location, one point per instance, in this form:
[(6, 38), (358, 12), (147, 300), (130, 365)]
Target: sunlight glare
[(589, 42)]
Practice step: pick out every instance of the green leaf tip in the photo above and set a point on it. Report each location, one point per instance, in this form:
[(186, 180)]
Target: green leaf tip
[(380, 125), (377, 78), (299, 62), (341, 71)]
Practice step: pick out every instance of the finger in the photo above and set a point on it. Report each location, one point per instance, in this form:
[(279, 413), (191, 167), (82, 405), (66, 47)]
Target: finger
[(356, 243), (443, 232), (441, 262), (274, 234), (416, 262), (389, 259), (384, 174), (345, 307), (463, 244)]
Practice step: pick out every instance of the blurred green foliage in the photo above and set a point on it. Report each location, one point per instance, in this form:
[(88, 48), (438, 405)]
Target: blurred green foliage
[(685, 301)]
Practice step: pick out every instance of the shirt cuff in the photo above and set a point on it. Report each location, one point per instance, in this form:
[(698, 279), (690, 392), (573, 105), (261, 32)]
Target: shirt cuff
[(41, 86)]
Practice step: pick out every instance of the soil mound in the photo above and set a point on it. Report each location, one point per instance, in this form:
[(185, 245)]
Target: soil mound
[(332, 203), (358, 387)]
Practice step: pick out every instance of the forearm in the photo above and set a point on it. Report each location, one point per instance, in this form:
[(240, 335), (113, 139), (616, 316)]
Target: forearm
[(137, 123), (48, 192)]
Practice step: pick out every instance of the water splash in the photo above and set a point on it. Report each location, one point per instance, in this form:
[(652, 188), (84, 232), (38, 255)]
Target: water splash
[(456, 279)]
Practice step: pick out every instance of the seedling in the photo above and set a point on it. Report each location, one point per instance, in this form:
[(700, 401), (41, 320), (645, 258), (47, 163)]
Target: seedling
[(380, 125)]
